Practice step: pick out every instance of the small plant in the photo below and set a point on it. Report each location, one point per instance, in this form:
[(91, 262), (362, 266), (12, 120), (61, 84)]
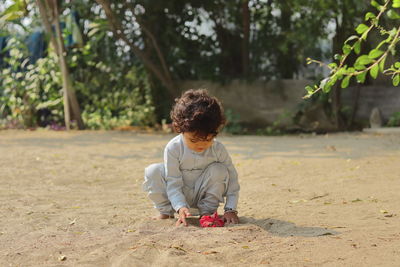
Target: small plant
[(277, 127), (233, 126), (394, 120)]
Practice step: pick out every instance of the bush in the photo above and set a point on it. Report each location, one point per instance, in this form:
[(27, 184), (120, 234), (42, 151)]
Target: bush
[(394, 120), (110, 96), (30, 94)]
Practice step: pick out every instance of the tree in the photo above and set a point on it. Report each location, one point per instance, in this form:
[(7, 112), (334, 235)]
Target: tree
[(160, 68), (49, 11)]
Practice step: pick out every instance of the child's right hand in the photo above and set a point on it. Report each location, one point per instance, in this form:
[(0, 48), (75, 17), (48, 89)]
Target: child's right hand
[(183, 213)]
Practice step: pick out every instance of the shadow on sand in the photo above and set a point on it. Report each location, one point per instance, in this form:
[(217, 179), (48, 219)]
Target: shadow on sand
[(277, 227), (283, 228)]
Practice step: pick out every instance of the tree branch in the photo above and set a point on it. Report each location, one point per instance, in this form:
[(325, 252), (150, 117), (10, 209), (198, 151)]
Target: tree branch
[(117, 29)]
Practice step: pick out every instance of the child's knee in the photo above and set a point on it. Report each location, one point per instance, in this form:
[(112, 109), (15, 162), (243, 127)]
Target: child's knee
[(218, 172), (154, 169), (154, 177)]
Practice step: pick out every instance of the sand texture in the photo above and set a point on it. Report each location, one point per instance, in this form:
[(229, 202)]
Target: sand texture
[(75, 199)]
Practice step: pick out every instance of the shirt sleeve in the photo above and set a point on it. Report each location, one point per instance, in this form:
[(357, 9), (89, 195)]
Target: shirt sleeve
[(232, 194), (173, 178)]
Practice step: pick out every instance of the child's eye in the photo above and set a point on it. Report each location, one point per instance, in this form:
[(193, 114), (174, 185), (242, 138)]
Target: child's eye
[(193, 140)]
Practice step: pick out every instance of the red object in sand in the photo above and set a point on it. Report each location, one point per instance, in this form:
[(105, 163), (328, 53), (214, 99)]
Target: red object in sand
[(212, 221)]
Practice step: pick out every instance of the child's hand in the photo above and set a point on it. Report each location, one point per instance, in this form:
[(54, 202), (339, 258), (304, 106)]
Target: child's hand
[(183, 213), (231, 217)]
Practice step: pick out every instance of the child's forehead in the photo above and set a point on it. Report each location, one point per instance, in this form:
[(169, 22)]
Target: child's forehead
[(197, 137)]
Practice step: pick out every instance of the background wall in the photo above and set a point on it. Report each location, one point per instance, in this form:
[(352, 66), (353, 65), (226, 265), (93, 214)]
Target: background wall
[(261, 103), (257, 103), (386, 98)]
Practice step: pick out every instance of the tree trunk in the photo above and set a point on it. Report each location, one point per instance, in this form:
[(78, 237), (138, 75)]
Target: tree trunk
[(157, 48), (338, 40), (67, 82), (336, 106), (286, 61), (49, 12), (246, 37), (356, 97)]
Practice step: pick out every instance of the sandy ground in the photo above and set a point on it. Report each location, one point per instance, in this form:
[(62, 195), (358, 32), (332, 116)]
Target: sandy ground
[(75, 199)]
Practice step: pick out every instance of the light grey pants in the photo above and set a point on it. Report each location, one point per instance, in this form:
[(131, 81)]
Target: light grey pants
[(208, 191)]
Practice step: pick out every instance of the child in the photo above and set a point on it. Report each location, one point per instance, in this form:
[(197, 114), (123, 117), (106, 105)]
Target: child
[(197, 171)]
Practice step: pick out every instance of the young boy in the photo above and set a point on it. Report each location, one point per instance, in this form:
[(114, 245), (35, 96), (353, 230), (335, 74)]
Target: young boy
[(197, 171)]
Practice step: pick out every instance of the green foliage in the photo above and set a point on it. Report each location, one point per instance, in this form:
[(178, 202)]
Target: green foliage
[(27, 88), (205, 39), (394, 120), (112, 93), (15, 11), (233, 125), (112, 89), (109, 99), (372, 62)]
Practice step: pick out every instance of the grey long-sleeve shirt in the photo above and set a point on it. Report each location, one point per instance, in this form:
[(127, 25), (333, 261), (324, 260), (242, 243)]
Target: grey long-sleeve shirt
[(183, 166)]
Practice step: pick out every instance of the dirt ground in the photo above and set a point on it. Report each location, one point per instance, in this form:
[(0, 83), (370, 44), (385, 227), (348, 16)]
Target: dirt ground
[(75, 199)]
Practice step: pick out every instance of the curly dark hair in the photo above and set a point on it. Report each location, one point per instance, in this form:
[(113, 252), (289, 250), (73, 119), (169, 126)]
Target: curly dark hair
[(196, 111)]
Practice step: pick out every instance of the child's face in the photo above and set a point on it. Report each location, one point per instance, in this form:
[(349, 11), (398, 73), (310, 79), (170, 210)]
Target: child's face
[(197, 144)]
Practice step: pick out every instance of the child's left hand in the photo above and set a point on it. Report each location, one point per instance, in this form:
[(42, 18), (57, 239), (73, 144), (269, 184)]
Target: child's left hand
[(231, 217)]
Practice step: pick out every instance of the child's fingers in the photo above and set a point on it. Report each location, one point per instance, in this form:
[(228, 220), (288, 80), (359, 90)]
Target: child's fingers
[(180, 221)]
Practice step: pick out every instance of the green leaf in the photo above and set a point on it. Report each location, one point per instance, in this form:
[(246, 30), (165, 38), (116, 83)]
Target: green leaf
[(309, 89), (332, 65), (353, 37), (364, 60), (325, 85), (340, 72), (359, 67), (396, 3), (346, 81), (382, 43), (346, 49), (374, 71), (393, 14), (392, 34), (382, 64), (361, 28), (370, 15), (337, 57), (15, 11), (376, 5), (361, 77), (323, 82), (396, 80), (357, 47), (374, 53), (397, 65)]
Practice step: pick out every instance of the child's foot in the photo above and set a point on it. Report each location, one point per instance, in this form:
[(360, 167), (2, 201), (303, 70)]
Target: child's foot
[(163, 217)]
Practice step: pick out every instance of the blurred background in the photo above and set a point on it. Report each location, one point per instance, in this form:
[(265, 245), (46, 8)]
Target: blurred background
[(120, 64)]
